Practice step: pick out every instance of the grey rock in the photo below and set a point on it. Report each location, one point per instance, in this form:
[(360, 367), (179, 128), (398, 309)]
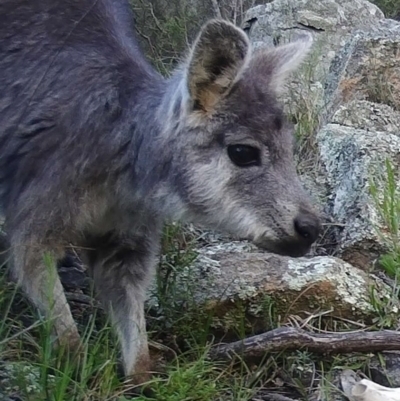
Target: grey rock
[(272, 20), (351, 157), (243, 280), (73, 278), (313, 93), (366, 68), (362, 98), (388, 373), (370, 116), (10, 380), (331, 22)]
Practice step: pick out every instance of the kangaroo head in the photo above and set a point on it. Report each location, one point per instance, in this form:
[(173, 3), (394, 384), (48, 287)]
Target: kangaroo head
[(235, 159)]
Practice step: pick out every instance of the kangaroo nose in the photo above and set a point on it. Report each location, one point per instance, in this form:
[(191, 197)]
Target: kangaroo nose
[(307, 226)]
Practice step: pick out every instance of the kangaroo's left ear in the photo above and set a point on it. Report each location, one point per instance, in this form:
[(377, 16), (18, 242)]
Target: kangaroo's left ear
[(217, 59), (273, 65)]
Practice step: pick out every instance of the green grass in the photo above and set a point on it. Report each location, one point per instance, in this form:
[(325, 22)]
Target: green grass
[(385, 192), (391, 8), (192, 377), (36, 371), (32, 369), (176, 306)]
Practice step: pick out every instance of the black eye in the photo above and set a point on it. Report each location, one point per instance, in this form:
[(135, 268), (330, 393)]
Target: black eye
[(244, 155)]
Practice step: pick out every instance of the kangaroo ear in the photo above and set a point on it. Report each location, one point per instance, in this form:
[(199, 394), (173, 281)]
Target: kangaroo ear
[(216, 61), (273, 66)]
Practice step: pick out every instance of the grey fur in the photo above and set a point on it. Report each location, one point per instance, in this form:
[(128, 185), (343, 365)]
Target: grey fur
[(97, 150)]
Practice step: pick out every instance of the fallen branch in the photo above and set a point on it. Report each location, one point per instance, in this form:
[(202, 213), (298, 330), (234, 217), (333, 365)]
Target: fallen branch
[(289, 338)]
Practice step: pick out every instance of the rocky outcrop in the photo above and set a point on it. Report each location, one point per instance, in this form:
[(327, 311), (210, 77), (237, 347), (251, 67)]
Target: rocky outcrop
[(363, 101), (349, 88), (331, 23), (366, 68), (367, 115), (232, 282), (349, 91), (346, 102), (352, 157)]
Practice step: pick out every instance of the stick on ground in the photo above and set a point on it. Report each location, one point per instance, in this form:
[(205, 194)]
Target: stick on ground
[(289, 338)]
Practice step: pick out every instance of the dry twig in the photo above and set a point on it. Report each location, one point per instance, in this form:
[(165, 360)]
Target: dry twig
[(289, 338)]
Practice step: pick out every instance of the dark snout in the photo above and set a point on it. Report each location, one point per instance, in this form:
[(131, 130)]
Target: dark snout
[(306, 228)]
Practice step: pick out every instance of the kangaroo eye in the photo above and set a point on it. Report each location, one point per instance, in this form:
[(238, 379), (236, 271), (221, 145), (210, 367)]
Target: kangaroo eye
[(244, 155)]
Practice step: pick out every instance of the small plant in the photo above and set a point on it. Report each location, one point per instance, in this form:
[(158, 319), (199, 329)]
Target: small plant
[(174, 293), (386, 195), (195, 379), (306, 110), (385, 192), (34, 370), (386, 309), (391, 263), (164, 29), (381, 89), (391, 8)]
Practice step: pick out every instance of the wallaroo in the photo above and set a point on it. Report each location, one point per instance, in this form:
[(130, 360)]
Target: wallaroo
[(97, 150)]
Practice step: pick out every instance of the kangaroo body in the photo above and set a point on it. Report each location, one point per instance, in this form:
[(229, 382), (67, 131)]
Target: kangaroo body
[(97, 150)]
